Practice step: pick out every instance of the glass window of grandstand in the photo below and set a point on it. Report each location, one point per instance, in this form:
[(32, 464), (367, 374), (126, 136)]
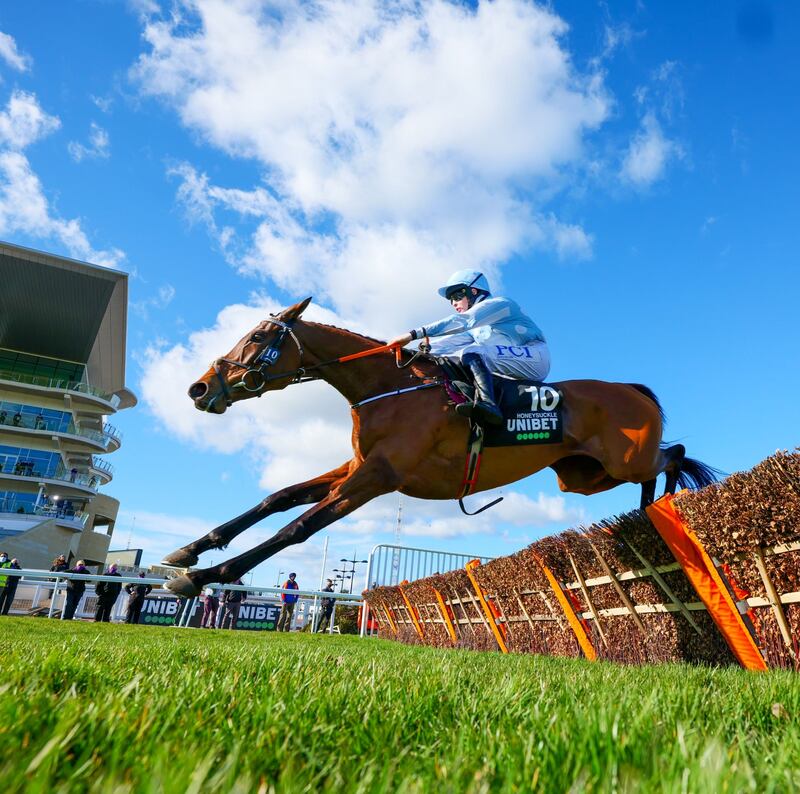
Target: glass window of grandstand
[(29, 416), (11, 502), (39, 369), (29, 462)]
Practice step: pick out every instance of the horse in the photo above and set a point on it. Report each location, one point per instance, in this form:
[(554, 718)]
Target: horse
[(408, 438)]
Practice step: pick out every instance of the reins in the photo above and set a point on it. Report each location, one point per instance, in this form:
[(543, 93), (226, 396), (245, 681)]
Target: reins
[(256, 377)]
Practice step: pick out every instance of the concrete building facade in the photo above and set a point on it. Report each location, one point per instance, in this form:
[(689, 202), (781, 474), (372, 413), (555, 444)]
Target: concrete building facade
[(62, 375)]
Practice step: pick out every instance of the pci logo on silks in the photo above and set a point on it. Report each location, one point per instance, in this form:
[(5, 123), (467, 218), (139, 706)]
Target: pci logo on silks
[(531, 415)]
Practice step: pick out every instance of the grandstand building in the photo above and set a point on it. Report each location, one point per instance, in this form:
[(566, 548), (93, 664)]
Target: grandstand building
[(62, 375)]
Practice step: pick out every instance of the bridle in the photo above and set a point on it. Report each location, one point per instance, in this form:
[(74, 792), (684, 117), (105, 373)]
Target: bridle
[(256, 377), (256, 372)]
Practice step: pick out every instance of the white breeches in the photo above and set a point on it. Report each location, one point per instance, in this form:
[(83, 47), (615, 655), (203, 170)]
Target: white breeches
[(525, 362)]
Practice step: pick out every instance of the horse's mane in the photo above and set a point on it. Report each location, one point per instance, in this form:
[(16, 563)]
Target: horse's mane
[(348, 331)]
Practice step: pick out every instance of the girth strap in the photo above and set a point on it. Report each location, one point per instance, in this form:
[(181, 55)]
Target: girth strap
[(472, 469)]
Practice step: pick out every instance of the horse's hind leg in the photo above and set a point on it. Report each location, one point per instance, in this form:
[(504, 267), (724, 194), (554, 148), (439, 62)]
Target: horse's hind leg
[(648, 493), (304, 493), (674, 456), (371, 479)]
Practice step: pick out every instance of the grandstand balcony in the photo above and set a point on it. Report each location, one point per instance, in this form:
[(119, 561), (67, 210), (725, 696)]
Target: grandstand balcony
[(68, 484), (81, 394), (26, 428)]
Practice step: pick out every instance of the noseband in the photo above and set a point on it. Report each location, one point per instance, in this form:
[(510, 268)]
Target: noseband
[(256, 375)]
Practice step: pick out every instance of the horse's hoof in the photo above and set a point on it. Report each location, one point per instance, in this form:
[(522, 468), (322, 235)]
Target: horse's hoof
[(182, 558), (182, 586)]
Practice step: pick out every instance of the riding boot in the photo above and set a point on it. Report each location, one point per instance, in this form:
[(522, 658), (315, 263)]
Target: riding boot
[(483, 410)]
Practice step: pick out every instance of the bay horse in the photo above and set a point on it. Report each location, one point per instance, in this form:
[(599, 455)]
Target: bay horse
[(407, 437)]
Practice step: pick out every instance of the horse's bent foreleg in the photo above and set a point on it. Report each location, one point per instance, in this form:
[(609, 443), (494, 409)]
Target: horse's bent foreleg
[(304, 493), (373, 478)]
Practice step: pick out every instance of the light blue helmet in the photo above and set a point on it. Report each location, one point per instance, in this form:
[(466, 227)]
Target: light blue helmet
[(465, 278)]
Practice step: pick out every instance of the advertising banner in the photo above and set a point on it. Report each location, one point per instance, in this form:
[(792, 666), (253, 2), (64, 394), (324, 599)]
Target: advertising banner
[(255, 615)]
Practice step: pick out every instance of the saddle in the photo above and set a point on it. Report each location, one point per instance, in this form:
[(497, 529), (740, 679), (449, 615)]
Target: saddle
[(531, 409)]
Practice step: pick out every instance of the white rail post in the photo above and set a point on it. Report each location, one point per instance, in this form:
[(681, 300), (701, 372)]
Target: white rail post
[(364, 606), (53, 599), (315, 618), (333, 619), (64, 604)]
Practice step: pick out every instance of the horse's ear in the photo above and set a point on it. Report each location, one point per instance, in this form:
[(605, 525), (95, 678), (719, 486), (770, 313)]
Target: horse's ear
[(293, 312)]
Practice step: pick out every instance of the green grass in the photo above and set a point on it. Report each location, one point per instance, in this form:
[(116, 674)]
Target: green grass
[(137, 708)]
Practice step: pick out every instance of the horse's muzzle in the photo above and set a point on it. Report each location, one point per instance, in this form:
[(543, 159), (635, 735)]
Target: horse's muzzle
[(198, 390), (205, 400)]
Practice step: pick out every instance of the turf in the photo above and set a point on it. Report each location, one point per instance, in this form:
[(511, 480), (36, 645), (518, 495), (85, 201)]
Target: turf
[(108, 708)]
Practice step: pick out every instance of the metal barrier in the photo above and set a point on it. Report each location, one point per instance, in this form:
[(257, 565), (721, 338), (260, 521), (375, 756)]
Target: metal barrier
[(389, 564), (55, 582)]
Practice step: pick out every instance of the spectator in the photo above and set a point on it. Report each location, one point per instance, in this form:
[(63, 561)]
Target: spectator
[(289, 600), (75, 590), (210, 607), (8, 584), (17, 420), (326, 607), (233, 599), (3, 415), (59, 564), (40, 423), (107, 594), (136, 595), (73, 473)]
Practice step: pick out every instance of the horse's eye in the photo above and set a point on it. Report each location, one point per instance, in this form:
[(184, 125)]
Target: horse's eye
[(258, 337)]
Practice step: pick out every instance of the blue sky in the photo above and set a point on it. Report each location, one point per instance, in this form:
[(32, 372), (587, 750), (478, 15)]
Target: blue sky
[(627, 172)]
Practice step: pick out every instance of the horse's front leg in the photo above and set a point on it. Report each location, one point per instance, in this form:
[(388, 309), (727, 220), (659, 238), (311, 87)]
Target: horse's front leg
[(372, 478), (305, 493)]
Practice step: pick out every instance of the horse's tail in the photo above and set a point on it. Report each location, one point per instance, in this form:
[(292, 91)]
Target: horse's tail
[(695, 474), (692, 473)]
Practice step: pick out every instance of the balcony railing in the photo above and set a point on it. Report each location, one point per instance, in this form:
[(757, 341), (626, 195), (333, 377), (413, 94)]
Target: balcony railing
[(59, 383), (30, 420), (62, 513), (24, 468), (59, 511), (102, 465)]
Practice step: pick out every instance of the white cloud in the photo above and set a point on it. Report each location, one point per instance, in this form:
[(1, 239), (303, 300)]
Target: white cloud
[(398, 141), (649, 153), (708, 223), (162, 298), (102, 103), (98, 148), (24, 207), (12, 56), (23, 121)]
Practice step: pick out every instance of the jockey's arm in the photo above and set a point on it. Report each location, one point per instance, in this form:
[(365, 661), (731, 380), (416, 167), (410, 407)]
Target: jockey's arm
[(491, 310)]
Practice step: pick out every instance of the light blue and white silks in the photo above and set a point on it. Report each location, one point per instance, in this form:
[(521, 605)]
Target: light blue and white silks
[(507, 340)]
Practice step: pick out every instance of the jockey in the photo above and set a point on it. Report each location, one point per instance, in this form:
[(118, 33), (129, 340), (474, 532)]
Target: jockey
[(488, 335)]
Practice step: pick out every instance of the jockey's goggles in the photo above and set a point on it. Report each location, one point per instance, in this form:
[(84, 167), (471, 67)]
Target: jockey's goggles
[(457, 294)]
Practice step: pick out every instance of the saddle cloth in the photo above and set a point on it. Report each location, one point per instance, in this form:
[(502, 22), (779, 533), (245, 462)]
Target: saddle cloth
[(532, 411)]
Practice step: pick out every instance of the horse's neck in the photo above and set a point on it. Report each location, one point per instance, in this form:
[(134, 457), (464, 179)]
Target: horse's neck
[(357, 379)]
